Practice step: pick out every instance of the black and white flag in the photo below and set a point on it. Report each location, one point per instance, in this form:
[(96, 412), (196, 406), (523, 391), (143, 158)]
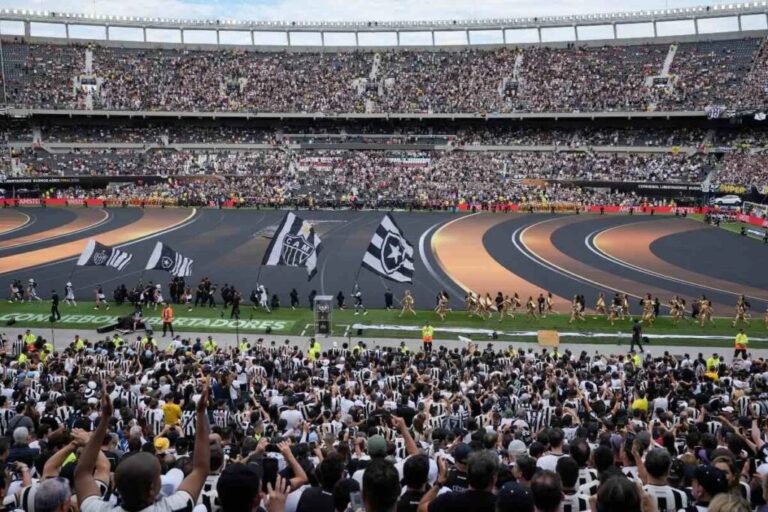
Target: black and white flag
[(389, 254), (295, 244), (165, 258), (96, 254)]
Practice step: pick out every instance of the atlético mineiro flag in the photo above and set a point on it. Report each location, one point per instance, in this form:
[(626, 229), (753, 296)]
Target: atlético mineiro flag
[(389, 254), (295, 244), (100, 255), (166, 259)]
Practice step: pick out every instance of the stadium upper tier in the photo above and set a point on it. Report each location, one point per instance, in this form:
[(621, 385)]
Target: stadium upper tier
[(690, 76)]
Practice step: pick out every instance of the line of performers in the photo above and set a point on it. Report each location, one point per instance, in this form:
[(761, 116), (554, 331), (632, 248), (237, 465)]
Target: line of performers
[(508, 306), (441, 309)]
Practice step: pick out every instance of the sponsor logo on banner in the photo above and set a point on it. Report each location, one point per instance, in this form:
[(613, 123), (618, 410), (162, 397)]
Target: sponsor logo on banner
[(202, 323)]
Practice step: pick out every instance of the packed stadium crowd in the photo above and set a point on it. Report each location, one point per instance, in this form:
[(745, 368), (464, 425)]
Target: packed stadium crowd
[(458, 136), (362, 169), (744, 169), (536, 79), (128, 425)]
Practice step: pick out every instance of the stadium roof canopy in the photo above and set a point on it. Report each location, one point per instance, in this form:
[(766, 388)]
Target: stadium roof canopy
[(735, 18)]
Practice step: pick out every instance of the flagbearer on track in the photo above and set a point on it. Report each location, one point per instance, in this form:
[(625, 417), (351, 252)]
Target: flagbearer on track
[(427, 333)]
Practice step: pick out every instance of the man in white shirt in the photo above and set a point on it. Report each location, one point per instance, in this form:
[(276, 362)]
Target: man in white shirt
[(292, 417), (668, 499), (549, 460)]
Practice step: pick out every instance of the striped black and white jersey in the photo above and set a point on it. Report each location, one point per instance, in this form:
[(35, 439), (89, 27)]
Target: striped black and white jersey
[(221, 417), (128, 397), (589, 489), (5, 417), (58, 379), (155, 419), (188, 423), (668, 499), (586, 475), (51, 419), (64, 413), (574, 502), (209, 497), (631, 472), (243, 420), (537, 419), (18, 347)]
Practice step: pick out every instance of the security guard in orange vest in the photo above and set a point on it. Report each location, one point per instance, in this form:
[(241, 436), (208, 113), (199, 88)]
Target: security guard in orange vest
[(427, 333), (167, 316)]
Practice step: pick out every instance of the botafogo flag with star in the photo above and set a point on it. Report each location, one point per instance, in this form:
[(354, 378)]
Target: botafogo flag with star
[(165, 258), (295, 244), (389, 254)]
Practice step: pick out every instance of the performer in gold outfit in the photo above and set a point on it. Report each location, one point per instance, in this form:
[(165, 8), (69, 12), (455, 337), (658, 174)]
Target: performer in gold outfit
[(600, 306), (531, 308), (442, 305), (705, 311), (647, 304), (576, 312), (742, 311), (407, 304)]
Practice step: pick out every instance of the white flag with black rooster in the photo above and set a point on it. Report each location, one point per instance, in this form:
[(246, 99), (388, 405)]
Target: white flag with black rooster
[(165, 258), (295, 244), (100, 255), (389, 254)]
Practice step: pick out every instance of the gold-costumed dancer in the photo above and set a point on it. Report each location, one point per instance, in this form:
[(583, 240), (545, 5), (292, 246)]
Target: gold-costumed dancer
[(705, 311), (549, 304), (600, 308), (647, 304), (505, 308), (509, 306), (675, 309), (616, 311), (407, 302), (742, 311), (471, 304), (576, 310), (487, 307), (530, 307), (442, 305), (624, 306)]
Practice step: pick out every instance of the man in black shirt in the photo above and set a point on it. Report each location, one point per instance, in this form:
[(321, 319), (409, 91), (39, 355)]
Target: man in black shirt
[(320, 499), (482, 467), (405, 411), (457, 476), (637, 336), (381, 486), (389, 299), (514, 497), (415, 473), (239, 488), (55, 315)]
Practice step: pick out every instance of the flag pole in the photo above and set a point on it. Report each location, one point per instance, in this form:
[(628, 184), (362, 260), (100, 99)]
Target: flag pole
[(72, 273)]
